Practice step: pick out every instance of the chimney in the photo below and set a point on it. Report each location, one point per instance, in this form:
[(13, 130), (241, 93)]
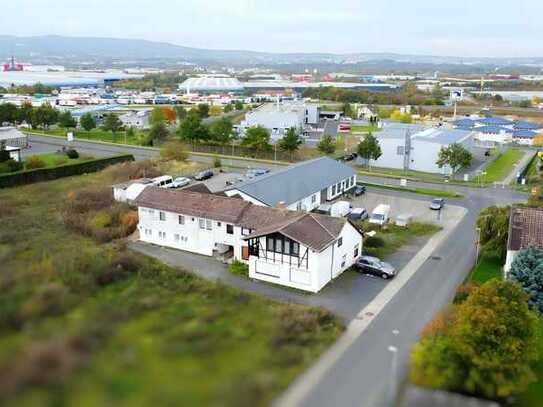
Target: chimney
[(281, 205)]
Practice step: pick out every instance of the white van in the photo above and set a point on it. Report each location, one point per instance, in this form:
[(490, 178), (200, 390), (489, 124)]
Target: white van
[(340, 208), (165, 181), (380, 214)]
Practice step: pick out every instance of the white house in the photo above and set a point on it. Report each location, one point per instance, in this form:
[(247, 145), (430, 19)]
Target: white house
[(278, 118), (14, 153), (138, 119), (418, 150), (525, 230), (290, 248), (303, 186), (10, 136)]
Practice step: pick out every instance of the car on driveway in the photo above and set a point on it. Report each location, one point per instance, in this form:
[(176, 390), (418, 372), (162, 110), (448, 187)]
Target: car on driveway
[(180, 182), (359, 190), (374, 266), (203, 175), (358, 214), (437, 204)]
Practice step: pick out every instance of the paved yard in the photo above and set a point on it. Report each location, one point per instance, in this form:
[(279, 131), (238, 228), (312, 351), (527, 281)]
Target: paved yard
[(418, 209)]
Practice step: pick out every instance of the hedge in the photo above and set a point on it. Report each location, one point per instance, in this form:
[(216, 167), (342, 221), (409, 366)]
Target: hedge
[(64, 170)]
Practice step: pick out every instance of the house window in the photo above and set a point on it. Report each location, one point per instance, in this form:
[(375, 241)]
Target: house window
[(356, 251), (230, 229), (162, 216), (218, 224), (148, 232), (314, 198), (162, 235), (278, 245), (269, 244), (202, 223), (333, 190), (400, 150), (295, 249), (181, 219), (343, 260), (339, 242), (299, 206), (176, 238), (245, 232), (209, 224)]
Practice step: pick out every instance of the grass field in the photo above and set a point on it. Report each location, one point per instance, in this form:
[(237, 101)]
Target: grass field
[(502, 166), (395, 237), (54, 160), (88, 323), (96, 134), (423, 191), (488, 267), (364, 128)]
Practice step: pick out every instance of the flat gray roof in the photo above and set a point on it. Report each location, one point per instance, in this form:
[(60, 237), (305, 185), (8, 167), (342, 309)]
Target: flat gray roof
[(295, 182)]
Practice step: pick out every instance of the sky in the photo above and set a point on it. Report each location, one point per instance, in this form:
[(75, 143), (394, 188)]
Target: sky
[(495, 28)]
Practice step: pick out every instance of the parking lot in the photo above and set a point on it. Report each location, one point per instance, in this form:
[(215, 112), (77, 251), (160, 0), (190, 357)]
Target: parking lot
[(417, 208)]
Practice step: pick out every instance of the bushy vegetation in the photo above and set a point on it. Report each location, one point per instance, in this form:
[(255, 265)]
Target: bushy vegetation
[(88, 323), (239, 268), (493, 224), (527, 271), (484, 345)]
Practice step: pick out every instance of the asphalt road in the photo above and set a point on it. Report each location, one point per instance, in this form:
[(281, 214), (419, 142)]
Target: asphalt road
[(361, 376)]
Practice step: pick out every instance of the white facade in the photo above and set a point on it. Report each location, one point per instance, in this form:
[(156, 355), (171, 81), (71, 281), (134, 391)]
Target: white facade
[(310, 270), (137, 119), (304, 269), (503, 137), (418, 153)]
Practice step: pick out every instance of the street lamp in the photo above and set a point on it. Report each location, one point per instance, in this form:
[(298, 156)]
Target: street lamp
[(477, 244), (393, 372)]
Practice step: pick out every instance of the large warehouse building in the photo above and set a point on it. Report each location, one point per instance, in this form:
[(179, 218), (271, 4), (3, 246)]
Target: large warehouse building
[(419, 150)]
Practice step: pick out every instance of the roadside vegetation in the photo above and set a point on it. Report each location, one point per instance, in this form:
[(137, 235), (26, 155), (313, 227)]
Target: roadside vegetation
[(438, 193), (84, 321), (388, 239), (502, 166)]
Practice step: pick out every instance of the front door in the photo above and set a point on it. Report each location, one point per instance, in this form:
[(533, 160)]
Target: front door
[(324, 193), (245, 252)]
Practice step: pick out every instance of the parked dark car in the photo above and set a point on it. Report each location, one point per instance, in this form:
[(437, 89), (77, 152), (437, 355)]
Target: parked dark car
[(358, 214), (349, 157), (437, 204), (203, 175), (359, 190), (374, 266), (256, 172)]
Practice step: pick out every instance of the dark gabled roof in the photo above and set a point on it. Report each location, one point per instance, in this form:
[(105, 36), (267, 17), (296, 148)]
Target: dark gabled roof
[(524, 125), (312, 230), (199, 187), (295, 182), (495, 121), (525, 228)]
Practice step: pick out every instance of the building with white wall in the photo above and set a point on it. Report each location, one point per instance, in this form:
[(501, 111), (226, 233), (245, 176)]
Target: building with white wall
[(303, 186), (294, 249), (10, 136), (139, 119), (492, 131), (418, 150), (277, 118), (525, 230)]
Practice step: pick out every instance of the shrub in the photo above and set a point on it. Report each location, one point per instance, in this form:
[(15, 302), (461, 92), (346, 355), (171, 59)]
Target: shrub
[(130, 220), (217, 162), (100, 220), (44, 174), (72, 154), (526, 270), (13, 165), (374, 242), (34, 162), (239, 268), (174, 150)]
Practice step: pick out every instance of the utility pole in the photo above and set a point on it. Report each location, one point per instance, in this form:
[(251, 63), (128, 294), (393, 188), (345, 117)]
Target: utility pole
[(477, 245), (393, 369)]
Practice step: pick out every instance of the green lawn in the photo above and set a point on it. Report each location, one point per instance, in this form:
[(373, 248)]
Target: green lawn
[(355, 128), (423, 191), (54, 160), (502, 166), (395, 237), (489, 267), (74, 330), (409, 174), (95, 134)]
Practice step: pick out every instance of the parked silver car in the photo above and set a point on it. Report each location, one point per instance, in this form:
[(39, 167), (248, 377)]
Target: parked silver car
[(376, 267)]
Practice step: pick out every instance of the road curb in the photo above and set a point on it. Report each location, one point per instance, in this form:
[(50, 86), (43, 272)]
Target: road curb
[(302, 386)]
